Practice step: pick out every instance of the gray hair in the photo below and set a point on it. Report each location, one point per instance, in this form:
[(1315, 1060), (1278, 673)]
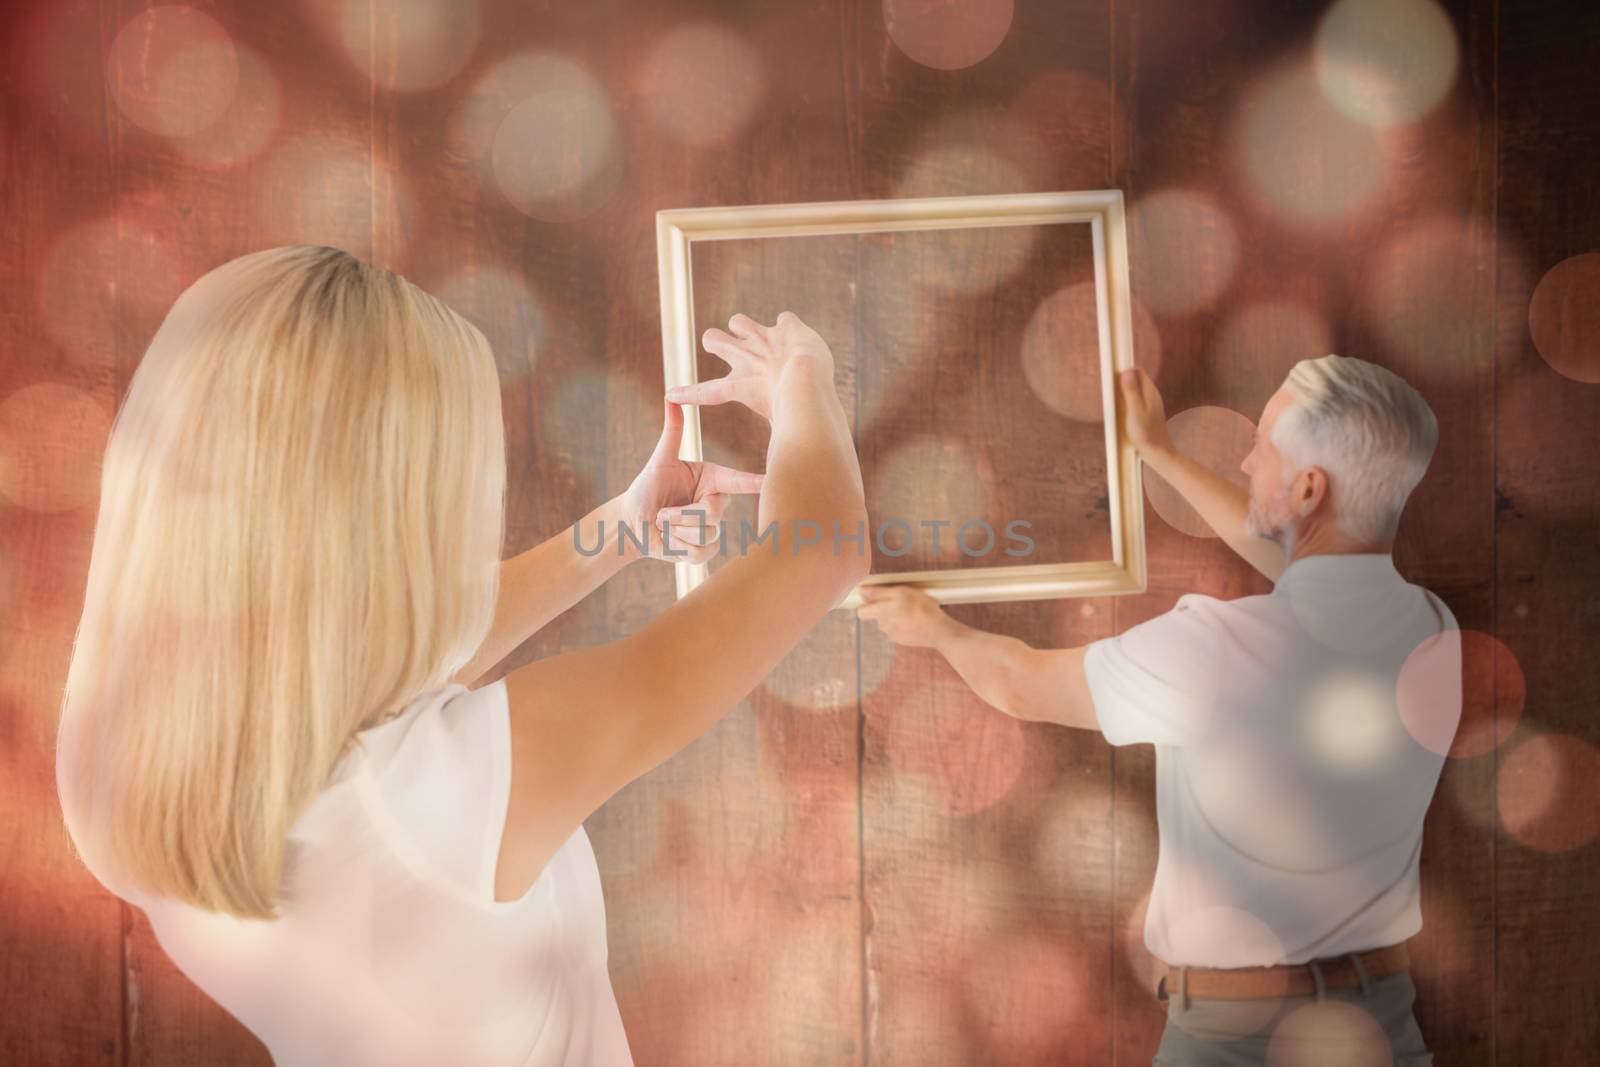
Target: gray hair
[(1370, 431)]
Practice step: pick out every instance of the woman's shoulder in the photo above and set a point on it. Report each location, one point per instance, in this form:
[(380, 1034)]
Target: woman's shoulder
[(434, 779)]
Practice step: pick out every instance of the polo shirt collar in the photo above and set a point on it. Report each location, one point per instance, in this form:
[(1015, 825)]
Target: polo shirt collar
[(1336, 569)]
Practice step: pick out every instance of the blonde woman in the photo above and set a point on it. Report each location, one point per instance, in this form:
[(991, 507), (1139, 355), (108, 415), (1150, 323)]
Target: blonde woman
[(270, 741)]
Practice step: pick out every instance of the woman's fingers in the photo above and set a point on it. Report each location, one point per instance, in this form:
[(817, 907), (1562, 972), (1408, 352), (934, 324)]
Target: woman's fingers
[(730, 350), (715, 391), (743, 325), (694, 519), (716, 478)]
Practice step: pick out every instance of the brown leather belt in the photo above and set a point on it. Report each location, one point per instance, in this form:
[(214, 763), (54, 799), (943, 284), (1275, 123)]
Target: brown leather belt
[(1282, 980)]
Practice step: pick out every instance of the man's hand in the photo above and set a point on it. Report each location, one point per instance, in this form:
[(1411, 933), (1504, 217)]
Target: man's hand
[(683, 497), (906, 616), (1144, 418)]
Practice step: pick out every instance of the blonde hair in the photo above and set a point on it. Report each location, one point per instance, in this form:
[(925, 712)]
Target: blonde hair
[(301, 512), (1373, 433)]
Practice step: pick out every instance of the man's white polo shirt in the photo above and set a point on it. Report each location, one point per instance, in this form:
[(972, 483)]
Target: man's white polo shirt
[(1299, 736)]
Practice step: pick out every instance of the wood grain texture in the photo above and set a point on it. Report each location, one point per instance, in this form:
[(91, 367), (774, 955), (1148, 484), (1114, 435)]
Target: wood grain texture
[(862, 864), (1547, 463)]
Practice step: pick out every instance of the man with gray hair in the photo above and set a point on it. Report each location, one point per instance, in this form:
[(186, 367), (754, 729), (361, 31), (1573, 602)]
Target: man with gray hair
[(1299, 735)]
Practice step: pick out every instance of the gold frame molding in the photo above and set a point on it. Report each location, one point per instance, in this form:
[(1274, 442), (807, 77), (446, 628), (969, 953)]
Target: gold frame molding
[(678, 229)]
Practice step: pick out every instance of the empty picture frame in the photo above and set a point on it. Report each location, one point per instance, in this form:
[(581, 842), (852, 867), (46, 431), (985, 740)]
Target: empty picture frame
[(1092, 221)]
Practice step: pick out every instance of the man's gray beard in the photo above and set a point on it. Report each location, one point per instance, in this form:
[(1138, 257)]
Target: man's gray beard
[(1256, 525)]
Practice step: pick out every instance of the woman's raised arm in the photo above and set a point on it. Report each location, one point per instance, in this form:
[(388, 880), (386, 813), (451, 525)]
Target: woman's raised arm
[(586, 723)]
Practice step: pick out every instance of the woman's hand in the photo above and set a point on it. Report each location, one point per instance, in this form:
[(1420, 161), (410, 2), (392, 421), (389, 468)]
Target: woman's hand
[(1144, 417), (906, 616), (684, 498), (757, 356)]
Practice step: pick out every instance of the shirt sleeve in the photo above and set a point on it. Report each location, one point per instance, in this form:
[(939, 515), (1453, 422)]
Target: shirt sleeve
[(1156, 683), (444, 784)]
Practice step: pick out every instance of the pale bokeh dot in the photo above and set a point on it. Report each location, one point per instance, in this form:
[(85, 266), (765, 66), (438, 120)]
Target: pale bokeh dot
[(1352, 722), (248, 125), (1548, 792), (1257, 801), (1428, 691), (1061, 351), (1216, 437), (1278, 332), (52, 438), (471, 127), (498, 301), (926, 479), (1415, 287), (555, 154), (1564, 318), (1028, 998), (318, 190), (1334, 1033), (409, 45), (80, 301), (1225, 932), (172, 70), (1310, 162), (1073, 844), (973, 152), (964, 897), (1385, 62), (949, 34), (1188, 247), (702, 84), (797, 679)]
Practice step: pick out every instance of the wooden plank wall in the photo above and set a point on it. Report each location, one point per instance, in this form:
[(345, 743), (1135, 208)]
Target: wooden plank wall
[(862, 864)]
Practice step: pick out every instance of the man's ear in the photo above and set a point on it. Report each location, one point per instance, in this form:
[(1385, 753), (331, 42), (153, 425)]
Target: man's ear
[(1310, 489)]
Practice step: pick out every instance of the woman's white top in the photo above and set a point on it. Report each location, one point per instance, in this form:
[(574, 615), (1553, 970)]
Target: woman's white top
[(391, 948)]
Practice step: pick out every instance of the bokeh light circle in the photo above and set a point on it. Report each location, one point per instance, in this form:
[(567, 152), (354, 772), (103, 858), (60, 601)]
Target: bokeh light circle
[(172, 70), (409, 45), (1548, 792), (498, 301), (1062, 336), (1414, 291), (1428, 691), (797, 681), (552, 150), (968, 154), (1333, 1033), (1271, 332), (1221, 931), (52, 439), (701, 83), (1466, 669), (948, 34), (114, 270), (1385, 62), (973, 152), (1353, 725), (1216, 437), (249, 123), (1026, 990), (1564, 318), (926, 479), (1311, 163), (318, 189), (1188, 249)]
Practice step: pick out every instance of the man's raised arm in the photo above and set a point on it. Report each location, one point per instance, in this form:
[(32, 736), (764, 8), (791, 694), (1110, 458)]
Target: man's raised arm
[(1221, 503)]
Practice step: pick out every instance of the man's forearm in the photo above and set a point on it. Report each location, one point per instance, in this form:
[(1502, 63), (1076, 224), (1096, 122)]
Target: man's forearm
[(1222, 504), (989, 663), (546, 580)]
